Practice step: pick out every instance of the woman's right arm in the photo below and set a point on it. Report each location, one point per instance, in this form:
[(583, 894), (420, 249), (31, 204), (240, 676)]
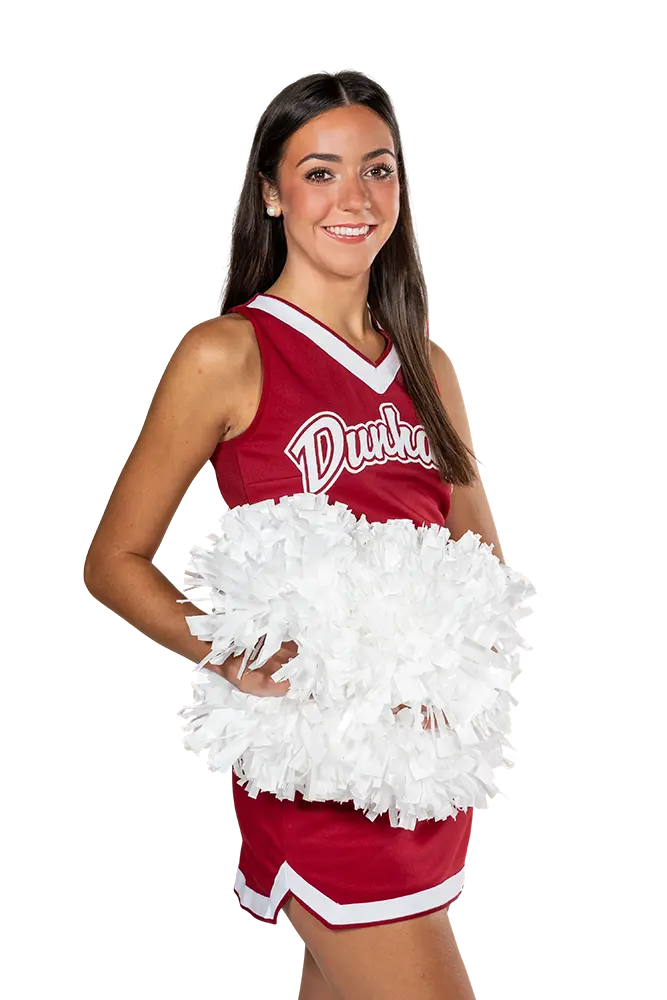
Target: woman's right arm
[(206, 382)]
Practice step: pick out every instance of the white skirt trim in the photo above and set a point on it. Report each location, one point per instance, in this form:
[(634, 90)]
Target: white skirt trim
[(375, 911)]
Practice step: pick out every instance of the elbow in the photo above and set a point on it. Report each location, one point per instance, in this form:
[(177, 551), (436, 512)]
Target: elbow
[(89, 576), (95, 569), (103, 570)]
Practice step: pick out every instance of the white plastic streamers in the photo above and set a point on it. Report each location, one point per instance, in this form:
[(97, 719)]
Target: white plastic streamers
[(383, 614)]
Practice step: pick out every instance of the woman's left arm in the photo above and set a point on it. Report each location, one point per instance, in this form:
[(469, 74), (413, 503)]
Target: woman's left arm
[(469, 510)]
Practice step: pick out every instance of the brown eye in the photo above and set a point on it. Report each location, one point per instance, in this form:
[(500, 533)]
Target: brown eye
[(311, 175), (389, 170)]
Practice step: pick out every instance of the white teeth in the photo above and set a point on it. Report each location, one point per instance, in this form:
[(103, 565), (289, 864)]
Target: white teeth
[(348, 230)]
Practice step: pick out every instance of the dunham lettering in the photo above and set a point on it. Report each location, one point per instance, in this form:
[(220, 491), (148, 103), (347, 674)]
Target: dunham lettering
[(325, 445)]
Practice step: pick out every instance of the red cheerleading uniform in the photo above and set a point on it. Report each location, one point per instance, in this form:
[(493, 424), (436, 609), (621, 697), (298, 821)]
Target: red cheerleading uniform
[(331, 421)]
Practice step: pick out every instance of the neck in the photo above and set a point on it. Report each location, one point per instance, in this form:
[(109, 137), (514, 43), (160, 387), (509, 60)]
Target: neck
[(340, 302)]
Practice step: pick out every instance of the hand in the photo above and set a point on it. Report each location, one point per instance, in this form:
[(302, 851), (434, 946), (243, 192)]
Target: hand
[(259, 681)]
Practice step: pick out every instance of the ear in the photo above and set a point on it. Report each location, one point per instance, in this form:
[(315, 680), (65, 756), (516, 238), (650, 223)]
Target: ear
[(269, 193)]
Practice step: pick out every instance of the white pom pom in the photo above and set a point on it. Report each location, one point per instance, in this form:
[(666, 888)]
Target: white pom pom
[(383, 613)]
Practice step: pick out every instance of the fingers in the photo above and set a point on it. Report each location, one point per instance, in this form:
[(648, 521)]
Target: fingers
[(269, 688), (287, 652), (266, 683), (257, 682), (276, 690), (260, 680)]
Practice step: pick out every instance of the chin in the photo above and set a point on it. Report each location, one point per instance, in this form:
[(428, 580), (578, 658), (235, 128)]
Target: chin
[(355, 272), (350, 271)]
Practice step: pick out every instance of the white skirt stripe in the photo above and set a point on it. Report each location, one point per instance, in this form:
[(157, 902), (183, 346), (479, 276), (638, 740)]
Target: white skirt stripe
[(334, 913)]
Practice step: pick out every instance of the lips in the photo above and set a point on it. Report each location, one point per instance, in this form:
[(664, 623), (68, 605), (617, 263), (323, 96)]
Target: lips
[(350, 239)]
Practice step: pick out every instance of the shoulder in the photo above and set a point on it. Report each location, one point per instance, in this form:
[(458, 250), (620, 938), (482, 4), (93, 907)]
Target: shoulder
[(219, 345), (443, 370), (222, 338), (450, 393)]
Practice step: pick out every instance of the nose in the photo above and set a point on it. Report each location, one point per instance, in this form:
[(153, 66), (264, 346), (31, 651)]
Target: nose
[(353, 194)]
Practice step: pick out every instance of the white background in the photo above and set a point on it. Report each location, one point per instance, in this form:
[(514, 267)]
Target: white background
[(534, 136)]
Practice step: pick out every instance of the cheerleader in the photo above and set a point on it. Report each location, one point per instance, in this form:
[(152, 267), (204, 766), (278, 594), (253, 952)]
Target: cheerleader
[(318, 380)]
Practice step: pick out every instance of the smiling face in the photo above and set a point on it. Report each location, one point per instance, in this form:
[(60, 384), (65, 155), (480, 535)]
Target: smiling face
[(338, 170)]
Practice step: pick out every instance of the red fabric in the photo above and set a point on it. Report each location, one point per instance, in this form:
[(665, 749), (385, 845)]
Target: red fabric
[(301, 382), (342, 853)]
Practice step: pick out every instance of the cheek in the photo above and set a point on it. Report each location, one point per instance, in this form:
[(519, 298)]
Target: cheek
[(310, 203), (386, 201)]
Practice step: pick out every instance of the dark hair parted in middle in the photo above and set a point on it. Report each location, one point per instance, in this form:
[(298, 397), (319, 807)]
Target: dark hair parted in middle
[(397, 289)]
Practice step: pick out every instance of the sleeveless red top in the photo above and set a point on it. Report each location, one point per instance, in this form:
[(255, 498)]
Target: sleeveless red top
[(330, 421)]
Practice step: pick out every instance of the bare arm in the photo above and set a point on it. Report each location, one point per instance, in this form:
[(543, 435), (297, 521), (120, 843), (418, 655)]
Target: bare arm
[(208, 380), (186, 418), (469, 508)]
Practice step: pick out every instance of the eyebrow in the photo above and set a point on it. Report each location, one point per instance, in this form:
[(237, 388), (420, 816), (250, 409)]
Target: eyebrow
[(335, 158)]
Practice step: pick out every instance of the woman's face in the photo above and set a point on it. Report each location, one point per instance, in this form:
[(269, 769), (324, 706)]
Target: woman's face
[(338, 170)]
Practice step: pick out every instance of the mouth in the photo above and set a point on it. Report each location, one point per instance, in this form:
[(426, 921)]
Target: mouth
[(349, 234)]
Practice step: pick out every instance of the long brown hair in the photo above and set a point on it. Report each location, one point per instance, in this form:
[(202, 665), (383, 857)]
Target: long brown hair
[(397, 290)]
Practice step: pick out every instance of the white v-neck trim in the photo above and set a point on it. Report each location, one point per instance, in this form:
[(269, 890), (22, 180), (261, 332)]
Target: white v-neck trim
[(378, 378)]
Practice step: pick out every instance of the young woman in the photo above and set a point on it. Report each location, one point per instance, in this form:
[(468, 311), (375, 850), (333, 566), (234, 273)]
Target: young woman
[(322, 338)]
